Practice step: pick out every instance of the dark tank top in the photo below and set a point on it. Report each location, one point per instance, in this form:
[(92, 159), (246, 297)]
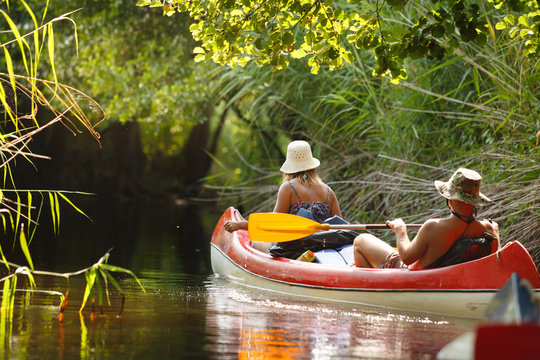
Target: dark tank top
[(320, 210)]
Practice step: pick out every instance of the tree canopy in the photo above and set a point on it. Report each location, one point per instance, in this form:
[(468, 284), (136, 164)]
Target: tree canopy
[(237, 32)]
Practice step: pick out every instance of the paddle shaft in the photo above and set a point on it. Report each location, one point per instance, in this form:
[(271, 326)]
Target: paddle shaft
[(280, 227), (363, 226)]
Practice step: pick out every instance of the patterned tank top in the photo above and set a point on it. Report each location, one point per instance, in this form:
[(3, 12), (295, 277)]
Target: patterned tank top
[(320, 210)]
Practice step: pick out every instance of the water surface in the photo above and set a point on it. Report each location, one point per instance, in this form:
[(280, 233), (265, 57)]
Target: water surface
[(187, 312)]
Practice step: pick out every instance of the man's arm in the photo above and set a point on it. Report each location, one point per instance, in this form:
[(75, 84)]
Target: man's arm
[(410, 251), (493, 230)]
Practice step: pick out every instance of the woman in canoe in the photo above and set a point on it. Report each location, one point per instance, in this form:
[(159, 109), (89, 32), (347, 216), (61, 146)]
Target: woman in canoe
[(440, 242), (302, 191)]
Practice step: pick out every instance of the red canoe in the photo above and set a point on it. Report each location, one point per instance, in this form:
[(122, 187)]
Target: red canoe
[(459, 290)]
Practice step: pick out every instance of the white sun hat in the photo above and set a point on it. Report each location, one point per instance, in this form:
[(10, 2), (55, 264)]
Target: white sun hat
[(299, 158)]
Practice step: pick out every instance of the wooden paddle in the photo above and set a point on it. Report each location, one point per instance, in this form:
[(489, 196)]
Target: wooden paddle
[(279, 227)]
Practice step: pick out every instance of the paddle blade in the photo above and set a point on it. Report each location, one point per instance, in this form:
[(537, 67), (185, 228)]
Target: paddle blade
[(279, 227)]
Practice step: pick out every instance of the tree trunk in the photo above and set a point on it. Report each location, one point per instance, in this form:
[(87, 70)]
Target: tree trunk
[(196, 153)]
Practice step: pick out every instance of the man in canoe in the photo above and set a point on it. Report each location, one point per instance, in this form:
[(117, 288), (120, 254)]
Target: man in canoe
[(438, 242)]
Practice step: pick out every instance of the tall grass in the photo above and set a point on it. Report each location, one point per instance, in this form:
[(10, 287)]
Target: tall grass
[(27, 42), (381, 145)]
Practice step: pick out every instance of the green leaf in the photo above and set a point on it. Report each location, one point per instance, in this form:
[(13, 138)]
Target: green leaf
[(90, 276), (106, 282), (99, 291), (260, 43), (523, 20), (72, 205), (438, 31), (24, 248), (298, 54), (476, 82), (288, 39), (50, 47), (3, 100), (504, 121), (120, 269), (9, 65), (20, 40), (509, 19), (112, 280), (481, 39), (6, 295), (54, 205), (29, 216)]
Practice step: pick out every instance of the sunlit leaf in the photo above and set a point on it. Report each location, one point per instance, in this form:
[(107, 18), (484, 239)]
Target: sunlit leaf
[(50, 47), (106, 282), (20, 40), (99, 292), (7, 108), (18, 211), (6, 294), (120, 269), (113, 281), (29, 212), (54, 206), (9, 65), (72, 205), (90, 276), (24, 247)]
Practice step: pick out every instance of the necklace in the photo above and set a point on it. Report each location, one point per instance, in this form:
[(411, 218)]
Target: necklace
[(467, 219)]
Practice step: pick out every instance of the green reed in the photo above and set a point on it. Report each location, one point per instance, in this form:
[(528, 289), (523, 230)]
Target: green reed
[(24, 95)]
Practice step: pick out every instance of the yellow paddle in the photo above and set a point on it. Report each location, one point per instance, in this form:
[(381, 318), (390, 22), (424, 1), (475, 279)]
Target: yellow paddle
[(279, 227)]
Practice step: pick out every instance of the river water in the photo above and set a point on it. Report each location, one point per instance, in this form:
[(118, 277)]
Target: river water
[(187, 312)]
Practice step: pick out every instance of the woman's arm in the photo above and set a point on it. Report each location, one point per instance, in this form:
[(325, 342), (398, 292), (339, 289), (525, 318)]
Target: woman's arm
[(283, 201), (231, 226), (282, 206), (334, 204)]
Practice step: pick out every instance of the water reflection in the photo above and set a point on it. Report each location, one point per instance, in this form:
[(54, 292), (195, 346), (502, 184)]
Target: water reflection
[(250, 324)]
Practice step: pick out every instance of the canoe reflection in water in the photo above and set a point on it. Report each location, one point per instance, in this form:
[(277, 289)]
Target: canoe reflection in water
[(270, 343), (249, 324)]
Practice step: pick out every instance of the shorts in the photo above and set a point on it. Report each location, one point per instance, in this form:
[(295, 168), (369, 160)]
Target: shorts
[(392, 261)]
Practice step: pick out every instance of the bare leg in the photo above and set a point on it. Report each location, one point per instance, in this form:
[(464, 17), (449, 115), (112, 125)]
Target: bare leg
[(360, 260), (370, 251)]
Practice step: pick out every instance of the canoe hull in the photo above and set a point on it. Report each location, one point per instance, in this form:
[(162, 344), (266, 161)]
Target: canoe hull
[(465, 303), (461, 290)]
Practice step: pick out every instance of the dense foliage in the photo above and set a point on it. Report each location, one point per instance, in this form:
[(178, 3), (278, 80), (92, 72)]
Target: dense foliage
[(382, 145), (237, 32)]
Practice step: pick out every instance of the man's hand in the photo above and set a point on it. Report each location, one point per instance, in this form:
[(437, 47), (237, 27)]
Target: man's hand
[(397, 224)]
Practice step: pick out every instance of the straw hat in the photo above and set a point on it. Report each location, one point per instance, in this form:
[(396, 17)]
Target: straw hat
[(464, 185), (299, 158)]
